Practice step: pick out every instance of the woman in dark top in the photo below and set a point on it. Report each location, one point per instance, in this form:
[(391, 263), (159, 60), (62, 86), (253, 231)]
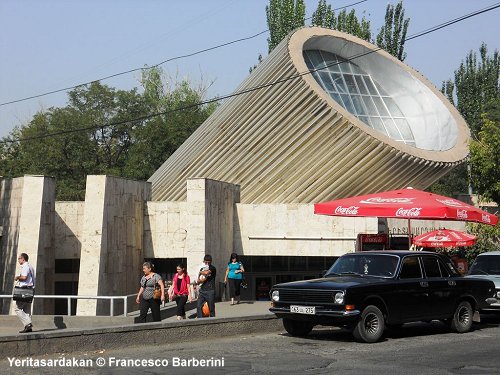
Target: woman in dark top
[(145, 295), (180, 290)]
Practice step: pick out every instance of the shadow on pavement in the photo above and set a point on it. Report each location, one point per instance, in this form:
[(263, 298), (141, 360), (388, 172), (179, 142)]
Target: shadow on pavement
[(435, 327)]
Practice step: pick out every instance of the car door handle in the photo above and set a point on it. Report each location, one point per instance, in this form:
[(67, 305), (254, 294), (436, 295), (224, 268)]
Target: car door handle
[(424, 284), (452, 283)]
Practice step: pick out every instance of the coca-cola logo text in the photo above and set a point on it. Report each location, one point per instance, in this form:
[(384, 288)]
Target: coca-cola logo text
[(486, 218), (408, 212), (351, 210), (462, 214), (451, 202), (379, 200)]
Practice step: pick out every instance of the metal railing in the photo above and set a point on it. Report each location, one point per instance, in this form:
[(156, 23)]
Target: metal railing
[(112, 300)]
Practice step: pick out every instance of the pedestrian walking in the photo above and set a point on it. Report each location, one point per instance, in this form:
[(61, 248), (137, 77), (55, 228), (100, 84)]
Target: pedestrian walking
[(206, 277), (234, 275), (147, 297), (181, 284), (26, 279)]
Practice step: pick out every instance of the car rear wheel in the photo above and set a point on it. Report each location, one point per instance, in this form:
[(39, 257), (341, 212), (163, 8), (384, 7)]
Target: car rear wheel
[(370, 326), (297, 327), (462, 318)]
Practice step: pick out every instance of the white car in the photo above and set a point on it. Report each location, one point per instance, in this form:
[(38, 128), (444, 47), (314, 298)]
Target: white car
[(487, 266)]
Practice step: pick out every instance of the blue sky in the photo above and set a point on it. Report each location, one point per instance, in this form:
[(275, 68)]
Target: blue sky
[(50, 44)]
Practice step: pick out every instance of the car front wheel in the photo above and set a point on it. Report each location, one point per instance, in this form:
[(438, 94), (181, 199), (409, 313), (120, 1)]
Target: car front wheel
[(370, 326), (462, 318), (297, 327)]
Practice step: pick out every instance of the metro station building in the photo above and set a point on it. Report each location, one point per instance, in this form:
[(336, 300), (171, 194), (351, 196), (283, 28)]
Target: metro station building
[(325, 116)]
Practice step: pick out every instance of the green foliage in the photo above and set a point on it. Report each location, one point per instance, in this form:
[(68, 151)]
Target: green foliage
[(324, 16), (283, 16), (476, 84), (488, 239), (259, 60), (485, 156), (453, 183), (162, 135), (392, 35), (99, 134)]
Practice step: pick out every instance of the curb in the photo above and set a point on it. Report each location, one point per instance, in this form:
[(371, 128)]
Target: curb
[(76, 340)]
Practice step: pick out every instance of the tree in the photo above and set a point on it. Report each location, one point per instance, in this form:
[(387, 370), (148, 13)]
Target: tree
[(259, 60), (488, 239), (283, 16), (475, 85), (324, 16), (105, 131), (162, 135), (392, 35), (93, 138), (485, 155), (453, 183)]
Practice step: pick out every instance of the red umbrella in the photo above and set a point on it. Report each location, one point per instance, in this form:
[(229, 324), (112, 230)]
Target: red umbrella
[(444, 238), (406, 204)]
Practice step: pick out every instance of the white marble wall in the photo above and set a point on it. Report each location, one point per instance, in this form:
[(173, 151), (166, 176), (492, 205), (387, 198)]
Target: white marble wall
[(165, 230), (68, 225), (294, 230)]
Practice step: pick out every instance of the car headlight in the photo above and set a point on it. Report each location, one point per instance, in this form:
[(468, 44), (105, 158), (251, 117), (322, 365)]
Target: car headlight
[(498, 294), (275, 296), (339, 298)]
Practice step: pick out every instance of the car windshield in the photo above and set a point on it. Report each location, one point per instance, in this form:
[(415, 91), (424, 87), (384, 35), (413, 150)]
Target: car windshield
[(486, 265), (365, 265)]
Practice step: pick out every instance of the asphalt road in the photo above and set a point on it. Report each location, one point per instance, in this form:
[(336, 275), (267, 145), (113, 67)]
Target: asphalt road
[(420, 348)]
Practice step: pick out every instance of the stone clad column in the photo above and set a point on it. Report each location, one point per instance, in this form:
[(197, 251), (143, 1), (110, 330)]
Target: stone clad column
[(36, 233), (112, 241), (211, 206)]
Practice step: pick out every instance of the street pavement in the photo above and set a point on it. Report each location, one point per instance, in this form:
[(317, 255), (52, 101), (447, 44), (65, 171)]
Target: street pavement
[(417, 348), (11, 325)]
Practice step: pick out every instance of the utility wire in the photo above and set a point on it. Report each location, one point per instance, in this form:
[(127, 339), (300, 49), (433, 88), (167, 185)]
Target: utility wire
[(155, 65), (251, 89)]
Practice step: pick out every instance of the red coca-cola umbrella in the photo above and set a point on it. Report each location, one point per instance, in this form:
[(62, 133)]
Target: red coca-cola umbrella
[(444, 238), (406, 204)]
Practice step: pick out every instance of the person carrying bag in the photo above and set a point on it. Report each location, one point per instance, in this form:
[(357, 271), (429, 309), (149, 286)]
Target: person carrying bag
[(148, 296), (23, 292)]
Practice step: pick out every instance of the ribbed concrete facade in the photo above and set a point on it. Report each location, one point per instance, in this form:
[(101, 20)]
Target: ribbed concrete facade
[(290, 142)]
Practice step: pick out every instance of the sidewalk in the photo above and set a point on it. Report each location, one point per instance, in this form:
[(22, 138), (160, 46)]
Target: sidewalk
[(247, 318), (225, 310), (10, 324)]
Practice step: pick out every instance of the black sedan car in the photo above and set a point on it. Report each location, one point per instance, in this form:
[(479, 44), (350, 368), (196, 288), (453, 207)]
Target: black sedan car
[(367, 291)]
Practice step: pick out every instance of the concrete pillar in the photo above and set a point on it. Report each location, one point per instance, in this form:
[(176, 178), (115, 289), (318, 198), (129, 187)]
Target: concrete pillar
[(112, 241), (210, 206), (36, 233), (11, 197)]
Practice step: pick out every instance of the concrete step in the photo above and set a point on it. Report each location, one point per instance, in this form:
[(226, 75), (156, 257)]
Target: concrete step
[(9, 323)]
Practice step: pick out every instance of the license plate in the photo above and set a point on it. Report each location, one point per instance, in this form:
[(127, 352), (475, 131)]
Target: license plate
[(311, 310)]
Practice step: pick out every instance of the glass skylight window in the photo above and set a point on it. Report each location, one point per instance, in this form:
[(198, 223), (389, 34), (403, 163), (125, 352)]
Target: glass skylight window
[(358, 93)]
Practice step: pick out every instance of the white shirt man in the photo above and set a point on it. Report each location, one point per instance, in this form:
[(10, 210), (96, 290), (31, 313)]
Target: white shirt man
[(25, 279)]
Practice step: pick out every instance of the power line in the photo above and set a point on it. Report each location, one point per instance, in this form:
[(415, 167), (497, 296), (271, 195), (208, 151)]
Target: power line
[(251, 89), (153, 66), (451, 22)]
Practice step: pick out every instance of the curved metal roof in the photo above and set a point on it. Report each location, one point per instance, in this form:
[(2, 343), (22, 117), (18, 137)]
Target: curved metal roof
[(291, 142)]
